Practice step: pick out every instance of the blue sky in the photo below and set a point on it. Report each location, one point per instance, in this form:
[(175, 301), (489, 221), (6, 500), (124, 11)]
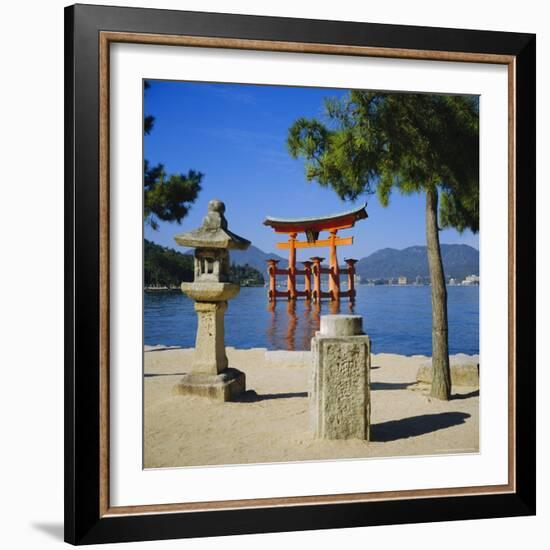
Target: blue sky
[(235, 134)]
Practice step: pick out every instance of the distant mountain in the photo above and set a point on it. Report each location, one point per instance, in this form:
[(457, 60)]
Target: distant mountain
[(459, 260), (254, 257)]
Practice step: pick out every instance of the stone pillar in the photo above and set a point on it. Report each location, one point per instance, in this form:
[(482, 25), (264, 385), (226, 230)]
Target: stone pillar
[(210, 357), (340, 379), (210, 375)]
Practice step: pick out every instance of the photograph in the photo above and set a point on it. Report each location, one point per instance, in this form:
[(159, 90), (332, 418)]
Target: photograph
[(311, 274)]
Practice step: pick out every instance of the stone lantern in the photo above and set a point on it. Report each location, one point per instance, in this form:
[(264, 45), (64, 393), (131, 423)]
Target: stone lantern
[(211, 289)]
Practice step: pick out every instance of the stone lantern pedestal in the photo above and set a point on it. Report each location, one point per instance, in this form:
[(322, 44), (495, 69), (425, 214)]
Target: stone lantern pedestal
[(210, 375)]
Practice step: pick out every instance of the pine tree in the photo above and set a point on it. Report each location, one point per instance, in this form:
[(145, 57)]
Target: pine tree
[(374, 142)]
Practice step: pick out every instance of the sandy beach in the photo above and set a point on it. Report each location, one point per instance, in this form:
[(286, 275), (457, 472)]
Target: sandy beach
[(271, 423)]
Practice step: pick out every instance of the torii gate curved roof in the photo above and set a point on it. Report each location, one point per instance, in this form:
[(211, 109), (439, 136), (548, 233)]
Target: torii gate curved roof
[(341, 220)]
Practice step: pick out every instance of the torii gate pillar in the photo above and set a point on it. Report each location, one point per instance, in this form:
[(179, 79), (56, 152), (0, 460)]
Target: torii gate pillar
[(334, 278)]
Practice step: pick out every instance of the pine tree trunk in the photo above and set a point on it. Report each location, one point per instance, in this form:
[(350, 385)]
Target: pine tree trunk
[(441, 381)]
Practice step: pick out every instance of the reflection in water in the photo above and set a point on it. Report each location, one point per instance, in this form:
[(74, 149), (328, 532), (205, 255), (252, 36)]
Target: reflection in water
[(300, 321), (316, 314), (397, 318), (292, 321), (271, 325), (309, 322)]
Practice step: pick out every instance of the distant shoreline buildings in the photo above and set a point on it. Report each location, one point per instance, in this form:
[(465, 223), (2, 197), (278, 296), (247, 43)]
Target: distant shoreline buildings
[(469, 280)]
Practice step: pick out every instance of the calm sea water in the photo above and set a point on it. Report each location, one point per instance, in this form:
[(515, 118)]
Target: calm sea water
[(398, 319)]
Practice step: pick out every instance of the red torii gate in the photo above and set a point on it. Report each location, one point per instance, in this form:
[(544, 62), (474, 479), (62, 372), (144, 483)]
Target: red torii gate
[(312, 227)]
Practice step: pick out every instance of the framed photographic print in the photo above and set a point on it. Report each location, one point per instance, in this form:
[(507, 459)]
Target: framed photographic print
[(299, 274)]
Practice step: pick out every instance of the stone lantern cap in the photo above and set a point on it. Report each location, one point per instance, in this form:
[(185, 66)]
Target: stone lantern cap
[(213, 233)]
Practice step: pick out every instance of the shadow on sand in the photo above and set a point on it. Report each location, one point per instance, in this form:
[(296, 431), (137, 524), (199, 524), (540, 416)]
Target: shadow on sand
[(155, 374), (252, 397), (415, 426), (465, 395), (374, 386)]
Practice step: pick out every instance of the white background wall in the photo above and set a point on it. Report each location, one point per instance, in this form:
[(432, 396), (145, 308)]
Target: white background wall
[(31, 272)]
